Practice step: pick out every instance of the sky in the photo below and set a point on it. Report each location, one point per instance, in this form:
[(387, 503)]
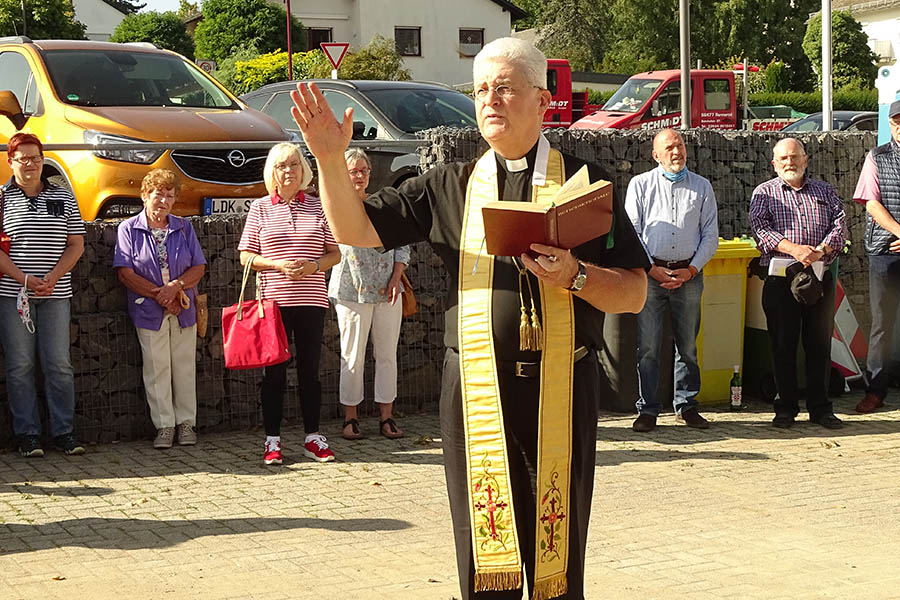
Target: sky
[(161, 5)]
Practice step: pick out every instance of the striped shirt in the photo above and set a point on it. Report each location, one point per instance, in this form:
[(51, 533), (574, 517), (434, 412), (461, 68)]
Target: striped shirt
[(288, 231), (809, 216), (39, 228)]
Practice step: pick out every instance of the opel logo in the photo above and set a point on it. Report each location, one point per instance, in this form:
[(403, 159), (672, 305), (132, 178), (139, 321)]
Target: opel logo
[(236, 158)]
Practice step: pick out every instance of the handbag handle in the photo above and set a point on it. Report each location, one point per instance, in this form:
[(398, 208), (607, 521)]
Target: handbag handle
[(240, 310)]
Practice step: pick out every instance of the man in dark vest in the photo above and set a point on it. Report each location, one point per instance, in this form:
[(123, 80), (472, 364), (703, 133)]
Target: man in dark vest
[(879, 189)]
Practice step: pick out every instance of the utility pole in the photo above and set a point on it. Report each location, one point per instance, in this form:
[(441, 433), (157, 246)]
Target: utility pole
[(290, 60), (684, 27)]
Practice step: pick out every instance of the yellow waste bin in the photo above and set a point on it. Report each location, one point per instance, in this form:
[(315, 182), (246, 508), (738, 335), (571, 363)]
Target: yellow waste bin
[(720, 344)]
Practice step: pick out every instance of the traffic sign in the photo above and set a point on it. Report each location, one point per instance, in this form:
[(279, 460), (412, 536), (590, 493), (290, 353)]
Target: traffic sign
[(335, 52), (207, 65)]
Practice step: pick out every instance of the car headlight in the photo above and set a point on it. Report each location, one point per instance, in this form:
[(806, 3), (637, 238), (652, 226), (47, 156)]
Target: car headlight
[(107, 141)]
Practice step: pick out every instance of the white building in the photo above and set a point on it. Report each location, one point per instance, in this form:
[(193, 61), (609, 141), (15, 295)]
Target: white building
[(100, 17), (881, 23), (437, 38)]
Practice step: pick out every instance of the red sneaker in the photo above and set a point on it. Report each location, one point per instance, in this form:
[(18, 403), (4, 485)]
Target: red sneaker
[(317, 449), (273, 453)]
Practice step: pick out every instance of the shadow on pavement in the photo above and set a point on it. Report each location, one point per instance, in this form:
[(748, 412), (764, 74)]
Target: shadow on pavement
[(57, 491), (606, 458), (134, 534)]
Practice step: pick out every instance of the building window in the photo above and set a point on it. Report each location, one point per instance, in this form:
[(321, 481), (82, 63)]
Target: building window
[(408, 40), (317, 35), (471, 41)]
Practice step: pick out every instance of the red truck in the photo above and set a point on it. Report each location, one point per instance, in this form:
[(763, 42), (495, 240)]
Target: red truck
[(566, 106), (652, 100)]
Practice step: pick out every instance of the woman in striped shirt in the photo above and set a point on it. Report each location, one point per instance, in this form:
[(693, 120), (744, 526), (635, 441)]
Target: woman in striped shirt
[(288, 239)]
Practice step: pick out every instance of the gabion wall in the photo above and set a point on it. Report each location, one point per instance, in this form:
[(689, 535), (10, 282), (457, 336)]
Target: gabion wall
[(734, 161), (110, 403)]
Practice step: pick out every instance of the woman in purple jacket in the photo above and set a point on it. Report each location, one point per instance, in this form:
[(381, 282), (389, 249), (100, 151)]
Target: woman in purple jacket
[(159, 260)]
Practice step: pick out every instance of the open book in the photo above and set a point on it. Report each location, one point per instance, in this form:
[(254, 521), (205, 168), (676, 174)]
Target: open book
[(580, 212)]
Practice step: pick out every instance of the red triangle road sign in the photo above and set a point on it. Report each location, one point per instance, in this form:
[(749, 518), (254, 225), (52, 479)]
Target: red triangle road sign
[(335, 52)]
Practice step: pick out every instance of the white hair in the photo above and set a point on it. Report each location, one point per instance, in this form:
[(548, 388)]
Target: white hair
[(518, 52), (784, 141), (278, 153), (353, 154)]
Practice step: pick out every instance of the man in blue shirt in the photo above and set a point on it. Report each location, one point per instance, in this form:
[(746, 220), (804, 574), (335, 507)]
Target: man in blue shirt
[(674, 214)]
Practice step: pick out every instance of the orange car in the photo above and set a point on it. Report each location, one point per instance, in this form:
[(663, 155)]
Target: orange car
[(82, 92)]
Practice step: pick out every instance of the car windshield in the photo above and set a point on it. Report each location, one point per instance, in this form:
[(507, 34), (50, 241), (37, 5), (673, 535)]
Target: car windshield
[(122, 78), (632, 96), (414, 110)]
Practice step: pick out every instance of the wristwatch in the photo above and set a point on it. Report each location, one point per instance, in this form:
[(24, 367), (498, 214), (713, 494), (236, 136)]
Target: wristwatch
[(580, 278)]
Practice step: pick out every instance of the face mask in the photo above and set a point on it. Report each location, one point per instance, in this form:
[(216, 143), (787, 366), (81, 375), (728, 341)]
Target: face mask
[(24, 308)]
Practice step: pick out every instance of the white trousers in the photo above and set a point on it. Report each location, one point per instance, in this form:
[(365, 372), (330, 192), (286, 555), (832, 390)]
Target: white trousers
[(170, 372), (355, 320)]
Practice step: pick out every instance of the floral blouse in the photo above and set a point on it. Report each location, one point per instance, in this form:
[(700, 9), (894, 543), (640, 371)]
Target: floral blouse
[(363, 274)]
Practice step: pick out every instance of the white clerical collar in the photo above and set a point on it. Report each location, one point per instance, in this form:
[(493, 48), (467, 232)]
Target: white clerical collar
[(514, 166), (539, 176)]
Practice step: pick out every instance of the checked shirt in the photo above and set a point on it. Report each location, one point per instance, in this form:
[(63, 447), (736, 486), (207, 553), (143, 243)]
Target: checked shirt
[(809, 216)]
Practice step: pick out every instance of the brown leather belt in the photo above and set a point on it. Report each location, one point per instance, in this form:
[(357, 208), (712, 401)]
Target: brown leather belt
[(672, 264), (532, 369)]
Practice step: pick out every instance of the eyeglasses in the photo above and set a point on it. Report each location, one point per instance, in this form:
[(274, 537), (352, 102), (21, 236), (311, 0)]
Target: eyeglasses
[(358, 172), (503, 91), (287, 166), (29, 160)]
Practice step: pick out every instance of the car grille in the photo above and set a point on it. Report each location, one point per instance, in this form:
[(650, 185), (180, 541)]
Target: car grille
[(236, 167)]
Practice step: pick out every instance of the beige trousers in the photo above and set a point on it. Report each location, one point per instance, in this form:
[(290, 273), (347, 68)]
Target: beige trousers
[(170, 372), (355, 321)]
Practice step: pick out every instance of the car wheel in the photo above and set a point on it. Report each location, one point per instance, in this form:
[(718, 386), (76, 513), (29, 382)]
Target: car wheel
[(61, 181)]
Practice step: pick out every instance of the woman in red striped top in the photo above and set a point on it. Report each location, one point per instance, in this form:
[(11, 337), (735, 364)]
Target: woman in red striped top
[(288, 239)]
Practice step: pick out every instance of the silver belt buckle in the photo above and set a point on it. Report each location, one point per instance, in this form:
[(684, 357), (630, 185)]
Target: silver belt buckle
[(520, 372)]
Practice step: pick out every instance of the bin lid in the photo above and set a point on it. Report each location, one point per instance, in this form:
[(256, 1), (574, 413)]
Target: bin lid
[(736, 248)]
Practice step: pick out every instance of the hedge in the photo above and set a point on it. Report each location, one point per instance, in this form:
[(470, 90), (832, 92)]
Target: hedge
[(810, 102)]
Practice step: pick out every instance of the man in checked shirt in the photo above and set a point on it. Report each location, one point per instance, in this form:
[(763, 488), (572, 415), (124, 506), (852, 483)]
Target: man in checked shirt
[(793, 216)]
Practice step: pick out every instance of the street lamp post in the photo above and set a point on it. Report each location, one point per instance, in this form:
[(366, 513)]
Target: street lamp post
[(290, 61)]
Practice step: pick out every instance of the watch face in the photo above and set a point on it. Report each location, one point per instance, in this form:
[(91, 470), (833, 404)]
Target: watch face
[(580, 278)]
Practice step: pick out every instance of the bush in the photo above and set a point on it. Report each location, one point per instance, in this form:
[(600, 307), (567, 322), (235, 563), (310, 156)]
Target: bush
[(777, 78), (599, 97), (845, 98)]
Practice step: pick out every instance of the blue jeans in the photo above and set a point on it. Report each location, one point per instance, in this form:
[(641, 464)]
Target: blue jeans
[(884, 292), (684, 306), (21, 350)]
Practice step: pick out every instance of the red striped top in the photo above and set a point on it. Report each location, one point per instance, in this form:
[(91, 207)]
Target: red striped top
[(294, 230)]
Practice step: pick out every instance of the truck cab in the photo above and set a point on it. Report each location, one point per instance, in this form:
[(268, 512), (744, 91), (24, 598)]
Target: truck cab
[(652, 100)]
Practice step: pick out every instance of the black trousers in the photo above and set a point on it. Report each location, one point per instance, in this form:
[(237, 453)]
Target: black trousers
[(304, 325), (790, 322), (520, 398)]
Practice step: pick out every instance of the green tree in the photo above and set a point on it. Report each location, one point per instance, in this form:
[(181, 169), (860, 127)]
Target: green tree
[(574, 30), (534, 8), (188, 9), (228, 24), (166, 30), (44, 19), (128, 7), (853, 63)]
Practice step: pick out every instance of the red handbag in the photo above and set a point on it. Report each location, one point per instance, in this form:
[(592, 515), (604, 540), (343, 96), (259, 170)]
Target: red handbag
[(5, 240), (252, 332)]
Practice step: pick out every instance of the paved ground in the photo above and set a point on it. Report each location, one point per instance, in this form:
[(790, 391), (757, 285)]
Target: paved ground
[(740, 511)]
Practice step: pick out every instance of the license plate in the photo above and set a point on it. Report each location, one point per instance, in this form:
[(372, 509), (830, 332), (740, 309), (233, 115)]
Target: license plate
[(226, 206)]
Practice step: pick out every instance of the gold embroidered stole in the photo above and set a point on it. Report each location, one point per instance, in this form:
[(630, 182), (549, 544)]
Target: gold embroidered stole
[(492, 514)]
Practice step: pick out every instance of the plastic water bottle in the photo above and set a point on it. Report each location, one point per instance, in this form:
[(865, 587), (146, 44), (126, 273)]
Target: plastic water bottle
[(736, 399)]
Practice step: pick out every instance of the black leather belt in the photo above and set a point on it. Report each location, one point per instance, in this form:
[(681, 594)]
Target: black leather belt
[(672, 264), (532, 369)]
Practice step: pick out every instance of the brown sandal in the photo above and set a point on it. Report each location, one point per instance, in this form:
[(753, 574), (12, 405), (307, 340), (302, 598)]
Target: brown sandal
[(354, 432), (393, 432)]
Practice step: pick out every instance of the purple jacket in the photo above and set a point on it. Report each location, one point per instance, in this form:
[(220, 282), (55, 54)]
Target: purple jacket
[(136, 249)]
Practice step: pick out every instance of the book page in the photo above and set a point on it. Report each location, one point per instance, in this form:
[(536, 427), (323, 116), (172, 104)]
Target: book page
[(565, 195), (579, 180)]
